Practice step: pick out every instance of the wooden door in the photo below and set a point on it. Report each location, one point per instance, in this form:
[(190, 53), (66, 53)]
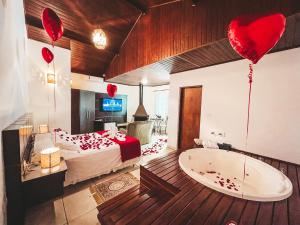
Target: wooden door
[(87, 111), (75, 111), (189, 118)]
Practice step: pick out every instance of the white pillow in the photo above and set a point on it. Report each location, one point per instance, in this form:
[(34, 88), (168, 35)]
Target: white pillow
[(66, 141)]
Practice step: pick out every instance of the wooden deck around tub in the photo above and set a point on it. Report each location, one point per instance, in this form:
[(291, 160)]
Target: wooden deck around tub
[(167, 195)]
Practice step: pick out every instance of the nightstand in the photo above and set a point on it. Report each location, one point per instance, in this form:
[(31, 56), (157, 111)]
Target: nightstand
[(40, 185)]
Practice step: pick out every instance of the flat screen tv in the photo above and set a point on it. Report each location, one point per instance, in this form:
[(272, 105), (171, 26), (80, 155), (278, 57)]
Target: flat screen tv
[(111, 105)]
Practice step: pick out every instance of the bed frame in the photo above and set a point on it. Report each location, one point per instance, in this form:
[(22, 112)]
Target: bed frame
[(17, 143)]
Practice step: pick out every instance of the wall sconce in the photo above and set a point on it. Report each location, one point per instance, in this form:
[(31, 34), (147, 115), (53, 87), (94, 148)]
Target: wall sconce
[(25, 130), (51, 78), (43, 128), (50, 157)]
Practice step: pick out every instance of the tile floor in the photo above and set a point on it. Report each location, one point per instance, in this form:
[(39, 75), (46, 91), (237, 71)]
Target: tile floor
[(77, 206)]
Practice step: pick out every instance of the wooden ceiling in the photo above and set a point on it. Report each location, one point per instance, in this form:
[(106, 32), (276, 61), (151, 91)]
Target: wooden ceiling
[(152, 36), (80, 18), (222, 52), (215, 53), (174, 29)]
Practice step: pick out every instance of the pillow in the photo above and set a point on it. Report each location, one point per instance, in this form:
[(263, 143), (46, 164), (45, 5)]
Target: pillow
[(76, 142), (67, 141)]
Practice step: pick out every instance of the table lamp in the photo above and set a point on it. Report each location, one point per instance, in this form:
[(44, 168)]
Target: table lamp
[(50, 157), (43, 128)]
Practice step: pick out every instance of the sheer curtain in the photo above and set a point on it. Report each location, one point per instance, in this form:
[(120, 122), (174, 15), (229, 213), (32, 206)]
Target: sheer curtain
[(161, 103)]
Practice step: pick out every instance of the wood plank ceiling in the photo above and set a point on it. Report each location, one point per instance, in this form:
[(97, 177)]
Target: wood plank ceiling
[(177, 28), (215, 53), (80, 18), (152, 37)]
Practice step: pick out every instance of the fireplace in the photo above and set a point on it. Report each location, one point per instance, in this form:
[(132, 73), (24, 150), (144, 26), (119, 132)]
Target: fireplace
[(141, 114)]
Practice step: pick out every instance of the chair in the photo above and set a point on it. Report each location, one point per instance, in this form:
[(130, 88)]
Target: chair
[(141, 130), (163, 126)]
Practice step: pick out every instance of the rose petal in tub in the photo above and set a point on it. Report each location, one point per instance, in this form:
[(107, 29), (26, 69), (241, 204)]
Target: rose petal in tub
[(210, 171)]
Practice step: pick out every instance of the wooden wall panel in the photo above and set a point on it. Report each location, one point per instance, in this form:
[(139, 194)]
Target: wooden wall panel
[(176, 28)]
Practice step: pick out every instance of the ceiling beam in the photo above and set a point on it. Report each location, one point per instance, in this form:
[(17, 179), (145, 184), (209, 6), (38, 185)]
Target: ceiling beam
[(36, 22), (138, 6)]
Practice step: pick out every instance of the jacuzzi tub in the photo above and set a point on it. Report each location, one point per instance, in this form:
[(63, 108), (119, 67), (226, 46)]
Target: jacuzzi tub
[(223, 171)]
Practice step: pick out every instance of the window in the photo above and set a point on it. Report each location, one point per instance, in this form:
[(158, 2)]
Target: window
[(161, 103)]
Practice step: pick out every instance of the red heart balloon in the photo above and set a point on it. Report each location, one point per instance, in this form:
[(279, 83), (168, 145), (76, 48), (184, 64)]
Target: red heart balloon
[(52, 24), (252, 36), (111, 90), (47, 55)]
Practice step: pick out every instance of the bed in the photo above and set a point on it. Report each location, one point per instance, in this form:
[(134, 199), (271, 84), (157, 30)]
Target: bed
[(90, 155)]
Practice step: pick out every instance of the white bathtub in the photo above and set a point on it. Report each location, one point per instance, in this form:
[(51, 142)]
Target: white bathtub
[(223, 171)]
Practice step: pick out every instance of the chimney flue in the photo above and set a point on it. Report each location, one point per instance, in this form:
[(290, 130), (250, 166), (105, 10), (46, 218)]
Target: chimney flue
[(141, 89), (141, 114)]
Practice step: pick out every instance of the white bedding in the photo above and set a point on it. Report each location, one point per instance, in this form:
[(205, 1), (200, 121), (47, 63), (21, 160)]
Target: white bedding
[(83, 165)]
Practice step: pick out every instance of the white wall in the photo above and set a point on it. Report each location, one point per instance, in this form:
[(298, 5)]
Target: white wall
[(40, 90), (13, 75), (275, 107)]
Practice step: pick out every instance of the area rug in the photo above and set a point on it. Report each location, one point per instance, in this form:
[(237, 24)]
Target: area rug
[(156, 147), (106, 190)]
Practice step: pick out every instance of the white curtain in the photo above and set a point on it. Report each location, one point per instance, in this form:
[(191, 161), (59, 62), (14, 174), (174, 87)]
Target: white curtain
[(161, 103)]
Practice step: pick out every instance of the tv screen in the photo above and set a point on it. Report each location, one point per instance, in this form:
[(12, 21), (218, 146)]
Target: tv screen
[(111, 105)]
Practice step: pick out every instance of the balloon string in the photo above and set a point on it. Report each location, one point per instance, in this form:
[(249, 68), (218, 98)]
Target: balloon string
[(48, 99), (250, 80), (55, 81), (54, 97), (250, 77)]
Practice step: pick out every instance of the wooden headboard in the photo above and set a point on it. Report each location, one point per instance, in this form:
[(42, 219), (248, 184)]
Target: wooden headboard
[(17, 140)]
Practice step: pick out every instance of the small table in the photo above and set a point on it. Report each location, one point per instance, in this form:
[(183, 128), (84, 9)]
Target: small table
[(40, 185)]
